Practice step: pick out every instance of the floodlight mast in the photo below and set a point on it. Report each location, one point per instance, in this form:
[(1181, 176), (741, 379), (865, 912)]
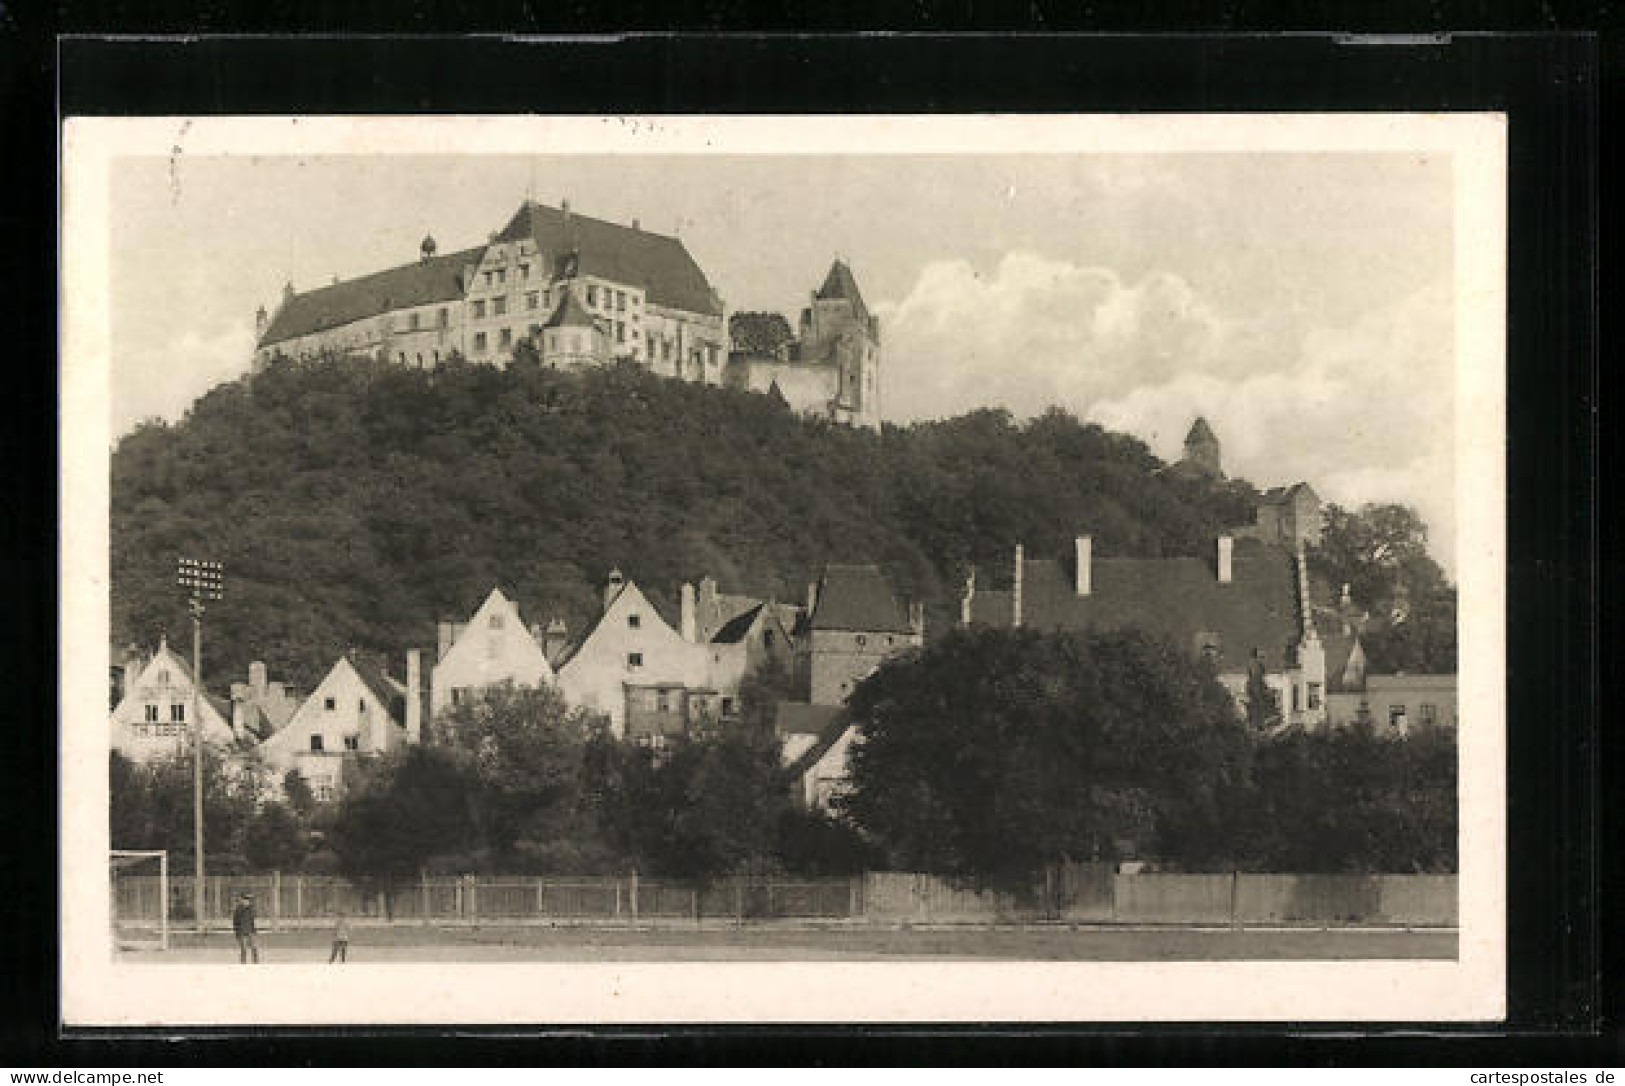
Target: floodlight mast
[(202, 581)]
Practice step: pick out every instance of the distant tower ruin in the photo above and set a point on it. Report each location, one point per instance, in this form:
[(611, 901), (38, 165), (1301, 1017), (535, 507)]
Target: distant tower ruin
[(1202, 450)]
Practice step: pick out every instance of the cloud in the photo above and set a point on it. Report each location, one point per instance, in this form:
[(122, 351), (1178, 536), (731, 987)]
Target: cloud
[(1363, 411), (162, 380)]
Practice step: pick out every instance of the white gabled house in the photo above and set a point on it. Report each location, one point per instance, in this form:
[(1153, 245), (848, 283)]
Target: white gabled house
[(154, 718), (355, 710), (491, 648)]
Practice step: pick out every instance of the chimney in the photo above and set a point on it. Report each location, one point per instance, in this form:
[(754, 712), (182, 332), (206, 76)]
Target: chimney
[(444, 638), (1015, 586), (687, 625), (1085, 546), (554, 639), (414, 696), (812, 597), (256, 677), (612, 586), (1226, 544)]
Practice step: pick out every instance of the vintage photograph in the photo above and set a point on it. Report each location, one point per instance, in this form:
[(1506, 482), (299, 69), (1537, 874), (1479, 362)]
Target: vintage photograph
[(788, 550)]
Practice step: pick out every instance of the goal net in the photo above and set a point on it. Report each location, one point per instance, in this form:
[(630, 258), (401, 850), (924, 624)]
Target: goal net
[(140, 906)]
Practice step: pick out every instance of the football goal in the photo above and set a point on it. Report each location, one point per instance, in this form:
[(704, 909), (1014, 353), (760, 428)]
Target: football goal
[(140, 905)]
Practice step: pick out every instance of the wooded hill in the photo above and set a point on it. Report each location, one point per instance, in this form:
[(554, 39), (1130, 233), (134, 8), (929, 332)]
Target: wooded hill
[(354, 503)]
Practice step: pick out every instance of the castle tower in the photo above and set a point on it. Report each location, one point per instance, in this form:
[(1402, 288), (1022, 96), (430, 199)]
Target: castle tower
[(838, 328), (1202, 449)]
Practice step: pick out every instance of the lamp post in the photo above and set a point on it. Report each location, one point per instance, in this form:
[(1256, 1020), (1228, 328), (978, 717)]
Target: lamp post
[(202, 581)]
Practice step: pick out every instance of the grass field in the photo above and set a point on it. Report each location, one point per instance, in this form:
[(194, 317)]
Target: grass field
[(542, 944)]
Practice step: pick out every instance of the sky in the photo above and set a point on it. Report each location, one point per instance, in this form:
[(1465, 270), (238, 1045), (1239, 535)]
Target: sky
[(1302, 303)]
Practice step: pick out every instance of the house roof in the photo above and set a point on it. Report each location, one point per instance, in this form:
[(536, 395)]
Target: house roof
[(659, 264), (857, 597), (736, 628), (570, 313), (1281, 495), (840, 283), (1338, 647), (423, 282), (802, 718), (1176, 598), (386, 691), (833, 725)]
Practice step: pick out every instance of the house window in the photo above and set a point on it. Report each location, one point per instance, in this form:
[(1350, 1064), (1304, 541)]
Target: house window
[(532, 300), (412, 322), (322, 791), (620, 332), (400, 356), (507, 337), (1297, 697), (152, 714), (1314, 696), (502, 276), (352, 742), (634, 659), (496, 622), (445, 318), (361, 705), (499, 307), (458, 694), (479, 309), (651, 344), (316, 741), (524, 271), (634, 621), (420, 360), (861, 640), (1396, 717), (727, 706), (1430, 715), (663, 702), (177, 713), (479, 342), (534, 329), (330, 704), (163, 678)]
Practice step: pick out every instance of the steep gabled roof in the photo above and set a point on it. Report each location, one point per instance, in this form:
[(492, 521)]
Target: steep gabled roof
[(1175, 598), (736, 628), (826, 723), (840, 283), (857, 597), (659, 264), (570, 313), (424, 282), (1282, 495)]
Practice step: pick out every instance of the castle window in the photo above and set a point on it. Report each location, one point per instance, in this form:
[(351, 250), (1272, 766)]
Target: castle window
[(532, 300), (412, 322), (479, 342), (506, 336), (479, 309), (445, 317), (592, 294), (352, 742), (315, 741), (499, 306), (152, 714), (634, 659)]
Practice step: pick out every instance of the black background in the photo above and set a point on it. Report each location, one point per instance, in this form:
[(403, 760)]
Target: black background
[(1563, 1001)]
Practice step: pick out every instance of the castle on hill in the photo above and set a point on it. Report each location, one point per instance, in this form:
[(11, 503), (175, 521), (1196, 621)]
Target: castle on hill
[(582, 292)]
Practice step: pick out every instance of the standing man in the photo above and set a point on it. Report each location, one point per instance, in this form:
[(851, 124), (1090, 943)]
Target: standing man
[(242, 924)]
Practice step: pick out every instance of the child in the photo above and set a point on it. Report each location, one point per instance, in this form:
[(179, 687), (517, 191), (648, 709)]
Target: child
[(341, 941)]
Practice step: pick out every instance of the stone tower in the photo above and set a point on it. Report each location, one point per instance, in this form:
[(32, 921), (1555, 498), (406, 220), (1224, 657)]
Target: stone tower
[(1202, 450), (837, 328)]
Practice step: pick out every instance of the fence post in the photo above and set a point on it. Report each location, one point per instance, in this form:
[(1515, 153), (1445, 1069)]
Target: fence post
[(694, 905), (474, 896), (423, 893), (617, 898), (299, 896), (634, 893), (276, 898), (739, 899), (852, 903), (1235, 910), (540, 911)]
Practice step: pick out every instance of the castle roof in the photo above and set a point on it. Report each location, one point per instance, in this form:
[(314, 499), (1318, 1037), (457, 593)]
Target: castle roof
[(659, 264), (423, 282), (570, 313), (839, 283), (857, 597), (1200, 433), (1175, 598)]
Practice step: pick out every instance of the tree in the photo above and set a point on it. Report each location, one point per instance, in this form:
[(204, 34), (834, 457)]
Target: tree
[(413, 807), (275, 839), (759, 333), (706, 805), (814, 844), (995, 753), (1263, 704), (524, 750), (301, 799)]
